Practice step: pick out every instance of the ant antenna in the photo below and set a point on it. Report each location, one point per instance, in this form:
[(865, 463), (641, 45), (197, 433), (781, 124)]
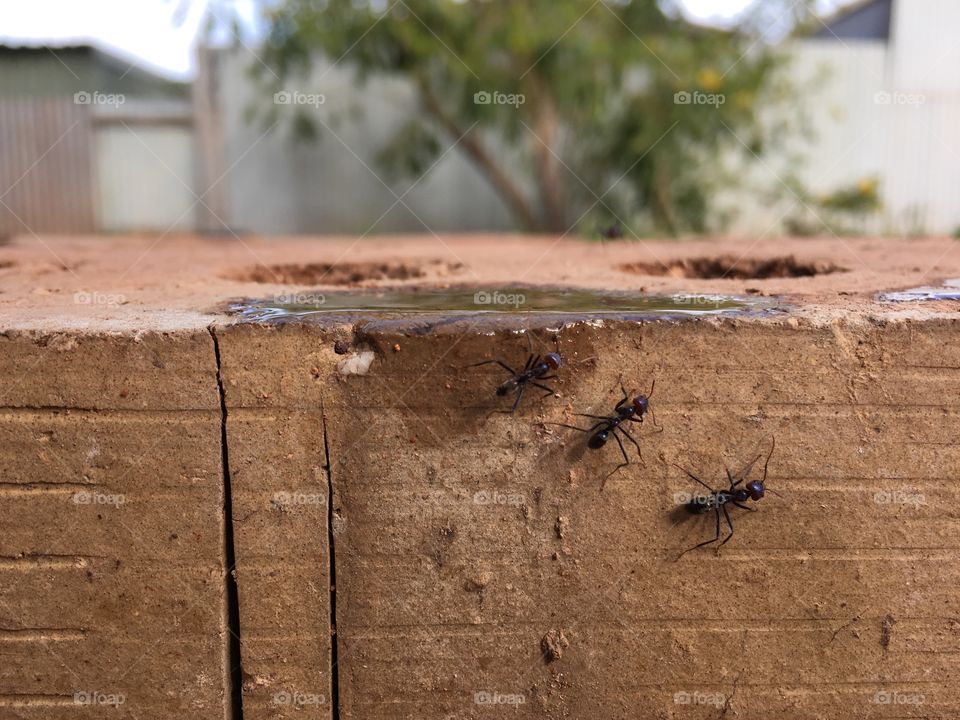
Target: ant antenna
[(653, 413), (773, 444)]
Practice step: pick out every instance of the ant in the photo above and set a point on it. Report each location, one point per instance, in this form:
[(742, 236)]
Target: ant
[(607, 425), (717, 500), (536, 368)]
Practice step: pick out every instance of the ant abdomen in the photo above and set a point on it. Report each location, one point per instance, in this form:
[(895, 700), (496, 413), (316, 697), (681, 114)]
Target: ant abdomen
[(598, 439), (505, 389), (699, 504)]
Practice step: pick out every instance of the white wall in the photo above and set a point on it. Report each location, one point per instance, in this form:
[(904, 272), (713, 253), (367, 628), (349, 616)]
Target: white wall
[(865, 122), (334, 185), (925, 46), (145, 168)]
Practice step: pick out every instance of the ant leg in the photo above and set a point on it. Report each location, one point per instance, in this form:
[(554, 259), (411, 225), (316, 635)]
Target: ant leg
[(743, 473), (574, 427), (626, 397), (547, 390), (726, 514), (745, 507), (531, 361), (626, 458), (694, 477), (519, 398), (635, 443), (496, 362), (705, 542), (515, 403), (626, 461), (730, 477)]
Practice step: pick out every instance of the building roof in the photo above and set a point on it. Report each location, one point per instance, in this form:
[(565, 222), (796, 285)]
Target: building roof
[(864, 20), (65, 68), (109, 55)]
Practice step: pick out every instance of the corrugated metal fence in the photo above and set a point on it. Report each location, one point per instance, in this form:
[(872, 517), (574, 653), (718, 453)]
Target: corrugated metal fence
[(47, 179)]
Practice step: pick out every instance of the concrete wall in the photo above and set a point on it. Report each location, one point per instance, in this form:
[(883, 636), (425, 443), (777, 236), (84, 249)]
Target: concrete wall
[(278, 185)]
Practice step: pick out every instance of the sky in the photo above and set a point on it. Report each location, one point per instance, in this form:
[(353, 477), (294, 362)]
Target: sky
[(160, 34)]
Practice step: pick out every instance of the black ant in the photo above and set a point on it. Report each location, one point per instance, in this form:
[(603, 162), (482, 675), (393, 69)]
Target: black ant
[(607, 425), (536, 368), (717, 500), (611, 232)]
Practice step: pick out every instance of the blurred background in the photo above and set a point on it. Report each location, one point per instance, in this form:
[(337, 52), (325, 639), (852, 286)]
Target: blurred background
[(598, 119)]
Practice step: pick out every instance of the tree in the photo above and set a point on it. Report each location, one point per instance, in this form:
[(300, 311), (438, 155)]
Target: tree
[(578, 113)]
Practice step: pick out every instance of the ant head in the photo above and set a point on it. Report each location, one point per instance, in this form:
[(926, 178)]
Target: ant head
[(756, 489), (641, 404), (552, 360)]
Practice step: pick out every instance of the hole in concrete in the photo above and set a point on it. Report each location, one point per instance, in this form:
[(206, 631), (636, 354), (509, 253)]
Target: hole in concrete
[(343, 273), (729, 267)]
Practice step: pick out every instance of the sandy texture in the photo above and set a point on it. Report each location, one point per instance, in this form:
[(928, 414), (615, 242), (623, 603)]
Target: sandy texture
[(402, 551), (135, 284), (478, 561), (111, 507)]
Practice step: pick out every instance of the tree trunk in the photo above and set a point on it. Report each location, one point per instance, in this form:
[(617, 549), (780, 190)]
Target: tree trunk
[(547, 128), (508, 190)]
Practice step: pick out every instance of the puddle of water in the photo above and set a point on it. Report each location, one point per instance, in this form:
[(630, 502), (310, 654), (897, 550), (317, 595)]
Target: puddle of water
[(502, 302), (949, 291)]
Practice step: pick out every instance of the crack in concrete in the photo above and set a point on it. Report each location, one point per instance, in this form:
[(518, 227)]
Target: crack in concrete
[(235, 676), (334, 666)]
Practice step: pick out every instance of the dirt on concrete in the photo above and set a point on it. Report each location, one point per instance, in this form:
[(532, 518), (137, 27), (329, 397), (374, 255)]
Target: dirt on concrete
[(137, 284)]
